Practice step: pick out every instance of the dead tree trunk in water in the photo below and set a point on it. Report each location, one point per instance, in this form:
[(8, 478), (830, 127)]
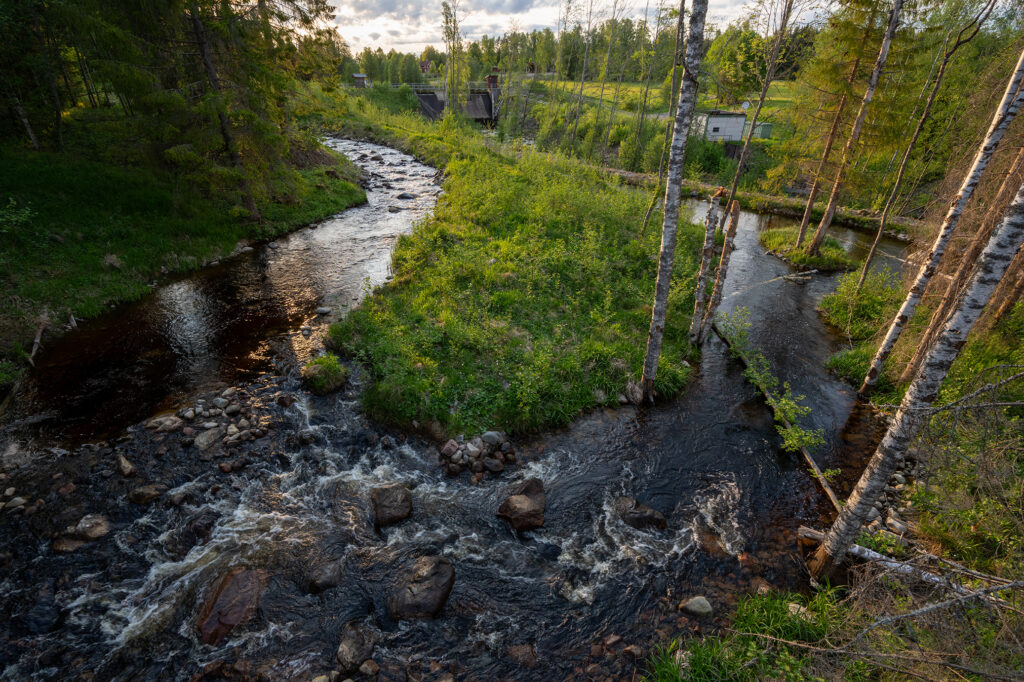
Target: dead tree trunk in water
[(222, 117), (1011, 102), (706, 254), (858, 123), (833, 131), (722, 270), (976, 23), (670, 222), (914, 411)]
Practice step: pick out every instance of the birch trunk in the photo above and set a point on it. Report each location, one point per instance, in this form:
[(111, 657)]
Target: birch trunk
[(20, 112), (913, 411), (965, 269), (611, 115), (642, 114), (858, 123), (773, 60), (1011, 102), (925, 113), (684, 112), (222, 118), (833, 131), (668, 124), (722, 270), (583, 78), (706, 255), (607, 64)]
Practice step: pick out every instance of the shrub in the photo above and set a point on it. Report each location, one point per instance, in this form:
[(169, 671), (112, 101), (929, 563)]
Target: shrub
[(324, 374), (832, 257)]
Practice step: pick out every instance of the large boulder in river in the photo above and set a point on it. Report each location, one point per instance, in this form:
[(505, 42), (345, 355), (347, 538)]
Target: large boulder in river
[(524, 509), (231, 602), (355, 647), (640, 516), (391, 504), (423, 590)]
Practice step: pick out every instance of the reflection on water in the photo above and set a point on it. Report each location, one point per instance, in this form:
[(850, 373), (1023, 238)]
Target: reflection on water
[(215, 325)]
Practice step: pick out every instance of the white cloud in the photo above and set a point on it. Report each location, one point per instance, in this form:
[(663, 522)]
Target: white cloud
[(410, 25)]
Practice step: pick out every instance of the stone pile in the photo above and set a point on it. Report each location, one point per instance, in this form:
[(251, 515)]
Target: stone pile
[(486, 453)]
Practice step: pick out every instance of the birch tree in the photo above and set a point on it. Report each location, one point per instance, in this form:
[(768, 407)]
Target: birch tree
[(775, 16), (965, 35), (858, 124), (583, 73), (670, 222), (706, 254), (830, 139), (914, 409), (1011, 102)]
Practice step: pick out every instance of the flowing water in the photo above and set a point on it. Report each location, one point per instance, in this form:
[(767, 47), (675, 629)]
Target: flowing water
[(295, 496)]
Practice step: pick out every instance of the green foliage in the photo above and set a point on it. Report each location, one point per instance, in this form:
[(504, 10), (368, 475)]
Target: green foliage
[(522, 300), (786, 406), (705, 161), (394, 100), (742, 655), (10, 371), (861, 315), (13, 216), (84, 209), (882, 542), (324, 374), (832, 256)]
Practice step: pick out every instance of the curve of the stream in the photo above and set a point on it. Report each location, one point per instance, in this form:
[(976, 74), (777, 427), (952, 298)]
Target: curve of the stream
[(290, 496)]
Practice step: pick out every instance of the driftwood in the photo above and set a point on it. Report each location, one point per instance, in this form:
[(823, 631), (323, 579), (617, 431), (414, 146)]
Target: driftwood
[(818, 475), (906, 569), (722, 270), (42, 322)]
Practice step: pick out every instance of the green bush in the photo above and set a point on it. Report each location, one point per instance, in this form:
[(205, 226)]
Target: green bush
[(324, 374), (861, 315), (831, 257)]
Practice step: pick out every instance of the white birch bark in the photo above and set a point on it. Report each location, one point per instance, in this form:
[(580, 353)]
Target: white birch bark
[(722, 270), (913, 411), (858, 124), (677, 152), (961, 40), (1012, 100), (706, 254)]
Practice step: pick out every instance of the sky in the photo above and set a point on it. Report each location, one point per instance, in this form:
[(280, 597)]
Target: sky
[(411, 25)]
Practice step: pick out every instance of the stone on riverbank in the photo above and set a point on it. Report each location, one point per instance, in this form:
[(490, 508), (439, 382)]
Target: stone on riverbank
[(354, 649), (146, 493), (231, 602), (205, 440), (391, 504), (524, 509), (423, 591), (697, 606)]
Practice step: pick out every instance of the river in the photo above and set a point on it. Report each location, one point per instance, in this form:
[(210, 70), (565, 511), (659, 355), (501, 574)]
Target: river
[(291, 495)]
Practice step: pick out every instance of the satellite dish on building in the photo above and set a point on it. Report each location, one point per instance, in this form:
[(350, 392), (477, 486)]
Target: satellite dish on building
[(745, 106)]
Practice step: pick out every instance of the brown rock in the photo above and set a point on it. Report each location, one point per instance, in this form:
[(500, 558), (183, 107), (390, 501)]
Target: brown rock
[(124, 467), (612, 640), (391, 504), (450, 448), (523, 655), (524, 509), (66, 544), (423, 590), (369, 668), (92, 527), (354, 648), (640, 516), (231, 602), (146, 493)]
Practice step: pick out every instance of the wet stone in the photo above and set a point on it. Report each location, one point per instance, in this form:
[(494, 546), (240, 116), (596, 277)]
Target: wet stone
[(640, 516), (523, 655), (423, 591), (391, 504), (206, 439), (493, 465), (328, 575), (524, 509), (231, 602), (92, 527), (147, 493), (124, 467), (355, 647)]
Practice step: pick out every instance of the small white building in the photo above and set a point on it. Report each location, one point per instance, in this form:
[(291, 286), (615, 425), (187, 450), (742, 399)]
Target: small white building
[(721, 125)]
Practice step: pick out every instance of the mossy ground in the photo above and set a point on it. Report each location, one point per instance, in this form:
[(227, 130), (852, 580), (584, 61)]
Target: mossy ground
[(324, 374)]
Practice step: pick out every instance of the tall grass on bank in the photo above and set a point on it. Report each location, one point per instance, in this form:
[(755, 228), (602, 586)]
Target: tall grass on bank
[(522, 300), (97, 230), (832, 257)]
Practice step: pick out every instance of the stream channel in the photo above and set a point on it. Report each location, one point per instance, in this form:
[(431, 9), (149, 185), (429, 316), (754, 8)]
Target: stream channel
[(291, 494)]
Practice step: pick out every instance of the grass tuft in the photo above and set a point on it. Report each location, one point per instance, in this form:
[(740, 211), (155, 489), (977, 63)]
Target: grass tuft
[(324, 374), (832, 257)]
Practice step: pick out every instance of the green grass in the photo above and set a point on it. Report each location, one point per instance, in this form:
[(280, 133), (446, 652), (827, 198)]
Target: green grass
[(830, 258), (522, 300), (324, 374), (741, 655), (860, 315), (85, 212)]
